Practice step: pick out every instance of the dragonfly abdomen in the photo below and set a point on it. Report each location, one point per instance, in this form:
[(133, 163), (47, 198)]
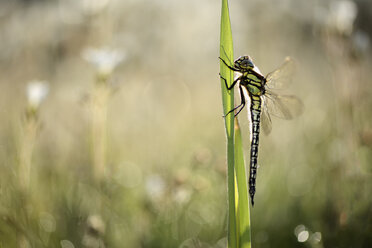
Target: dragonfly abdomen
[(255, 111)]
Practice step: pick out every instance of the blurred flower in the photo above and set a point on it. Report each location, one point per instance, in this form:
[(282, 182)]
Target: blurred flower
[(201, 183), (47, 222), (23, 242), (66, 244), (181, 195), (105, 60), (95, 229), (96, 225), (181, 176), (316, 237), (342, 16), (299, 229), (36, 92), (155, 186), (303, 236)]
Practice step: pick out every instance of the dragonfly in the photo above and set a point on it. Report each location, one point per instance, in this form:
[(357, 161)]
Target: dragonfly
[(264, 102)]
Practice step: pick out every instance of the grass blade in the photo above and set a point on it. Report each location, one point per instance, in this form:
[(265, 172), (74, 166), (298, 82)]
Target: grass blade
[(243, 211), (226, 53)]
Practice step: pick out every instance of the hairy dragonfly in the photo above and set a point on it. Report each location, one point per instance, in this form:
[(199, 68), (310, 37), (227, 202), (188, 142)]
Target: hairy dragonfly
[(258, 90)]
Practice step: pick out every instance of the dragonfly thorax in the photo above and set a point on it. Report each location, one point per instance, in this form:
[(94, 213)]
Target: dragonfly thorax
[(243, 63), (255, 89)]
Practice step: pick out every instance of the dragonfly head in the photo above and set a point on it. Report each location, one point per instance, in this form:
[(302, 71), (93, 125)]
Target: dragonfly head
[(244, 63)]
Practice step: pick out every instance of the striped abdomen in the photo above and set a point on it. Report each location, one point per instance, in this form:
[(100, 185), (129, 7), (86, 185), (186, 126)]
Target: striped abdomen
[(255, 111)]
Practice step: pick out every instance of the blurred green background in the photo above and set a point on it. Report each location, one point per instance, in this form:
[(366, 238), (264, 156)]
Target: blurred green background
[(112, 135)]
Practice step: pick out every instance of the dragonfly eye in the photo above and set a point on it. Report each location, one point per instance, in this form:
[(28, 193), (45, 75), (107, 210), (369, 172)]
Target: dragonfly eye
[(244, 62)]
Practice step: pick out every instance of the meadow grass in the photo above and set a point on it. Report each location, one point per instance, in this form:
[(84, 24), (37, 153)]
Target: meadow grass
[(161, 152)]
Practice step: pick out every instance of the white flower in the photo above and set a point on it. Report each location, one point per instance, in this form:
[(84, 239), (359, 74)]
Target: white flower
[(105, 60), (342, 16), (96, 223), (181, 195), (155, 186), (303, 236), (36, 92)]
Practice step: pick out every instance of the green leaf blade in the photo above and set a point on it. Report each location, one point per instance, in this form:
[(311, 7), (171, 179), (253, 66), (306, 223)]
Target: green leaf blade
[(243, 212), (226, 53)]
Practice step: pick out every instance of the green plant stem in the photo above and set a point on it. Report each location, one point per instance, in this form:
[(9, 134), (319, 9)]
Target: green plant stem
[(29, 132), (226, 52), (239, 229), (243, 211), (99, 122)]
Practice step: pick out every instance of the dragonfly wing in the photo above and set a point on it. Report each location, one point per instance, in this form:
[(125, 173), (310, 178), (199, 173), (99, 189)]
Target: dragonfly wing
[(265, 118), (281, 78), (283, 106)]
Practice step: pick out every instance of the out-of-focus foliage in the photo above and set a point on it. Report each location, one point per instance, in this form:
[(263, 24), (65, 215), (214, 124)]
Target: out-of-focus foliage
[(124, 146)]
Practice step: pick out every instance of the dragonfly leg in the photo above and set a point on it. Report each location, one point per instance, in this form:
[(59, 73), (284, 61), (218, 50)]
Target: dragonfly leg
[(241, 105), (232, 85), (232, 110), (242, 100), (230, 67)]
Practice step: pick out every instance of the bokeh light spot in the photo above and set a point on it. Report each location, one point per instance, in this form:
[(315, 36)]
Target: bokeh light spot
[(303, 236)]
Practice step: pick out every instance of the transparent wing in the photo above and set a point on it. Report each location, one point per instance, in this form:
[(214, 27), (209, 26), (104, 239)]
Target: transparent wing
[(265, 118), (282, 77), (282, 106)]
